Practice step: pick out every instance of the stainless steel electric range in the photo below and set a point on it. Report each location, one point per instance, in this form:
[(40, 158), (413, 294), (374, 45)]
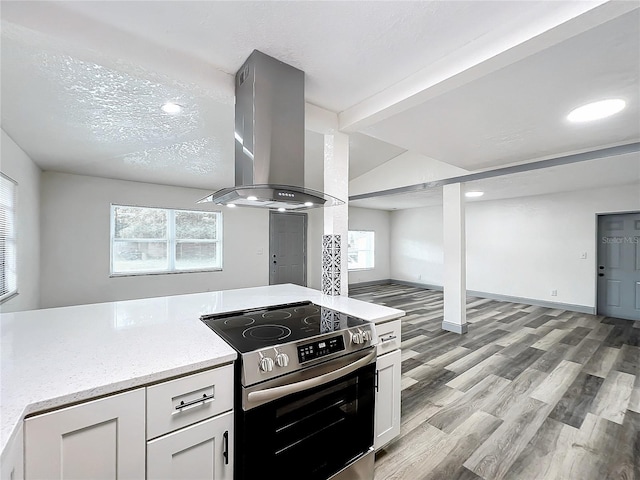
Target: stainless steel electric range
[(305, 381)]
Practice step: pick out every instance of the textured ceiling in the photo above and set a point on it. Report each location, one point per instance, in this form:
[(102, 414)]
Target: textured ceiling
[(78, 116), (349, 50)]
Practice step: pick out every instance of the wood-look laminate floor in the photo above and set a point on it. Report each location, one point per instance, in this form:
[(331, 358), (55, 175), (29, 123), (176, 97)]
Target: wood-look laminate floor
[(528, 393)]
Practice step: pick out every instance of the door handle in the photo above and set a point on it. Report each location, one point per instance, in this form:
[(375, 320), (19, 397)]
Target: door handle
[(274, 393), (225, 452)]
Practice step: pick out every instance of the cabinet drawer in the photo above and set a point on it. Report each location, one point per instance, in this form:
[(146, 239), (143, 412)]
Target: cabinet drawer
[(164, 411), (388, 336), (203, 450)]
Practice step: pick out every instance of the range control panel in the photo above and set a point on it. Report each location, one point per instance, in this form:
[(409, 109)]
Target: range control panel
[(321, 348)]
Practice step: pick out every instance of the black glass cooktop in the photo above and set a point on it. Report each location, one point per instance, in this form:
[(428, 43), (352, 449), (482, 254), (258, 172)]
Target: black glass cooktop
[(251, 330)]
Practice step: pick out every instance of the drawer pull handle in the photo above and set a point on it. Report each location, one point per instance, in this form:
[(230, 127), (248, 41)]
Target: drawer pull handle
[(194, 402), (388, 339), (225, 453)]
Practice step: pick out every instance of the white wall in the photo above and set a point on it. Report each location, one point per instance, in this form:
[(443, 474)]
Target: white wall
[(75, 242), (416, 253), (522, 247), (314, 179), (378, 222), (17, 165), (315, 229)]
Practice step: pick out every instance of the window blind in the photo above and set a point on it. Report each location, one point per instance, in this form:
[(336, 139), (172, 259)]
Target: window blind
[(8, 277)]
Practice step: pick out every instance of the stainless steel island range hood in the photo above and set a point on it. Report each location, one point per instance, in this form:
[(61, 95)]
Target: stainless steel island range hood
[(269, 139)]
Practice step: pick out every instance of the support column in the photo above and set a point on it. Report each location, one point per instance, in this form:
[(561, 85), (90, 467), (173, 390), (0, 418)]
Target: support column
[(455, 285), (335, 280)]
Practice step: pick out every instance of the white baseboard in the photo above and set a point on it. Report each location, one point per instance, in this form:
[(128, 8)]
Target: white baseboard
[(508, 298)]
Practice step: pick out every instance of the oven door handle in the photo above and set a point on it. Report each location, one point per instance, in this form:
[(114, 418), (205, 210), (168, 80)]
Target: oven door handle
[(269, 394)]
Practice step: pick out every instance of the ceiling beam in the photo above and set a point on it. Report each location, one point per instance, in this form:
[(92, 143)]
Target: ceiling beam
[(319, 120), (471, 62), (498, 172)]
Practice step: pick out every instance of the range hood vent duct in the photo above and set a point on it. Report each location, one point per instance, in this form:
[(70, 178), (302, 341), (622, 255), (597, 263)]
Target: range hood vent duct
[(269, 139)]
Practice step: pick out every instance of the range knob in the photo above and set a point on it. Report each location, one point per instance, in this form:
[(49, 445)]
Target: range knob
[(266, 364), (282, 359), (366, 335), (357, 338)]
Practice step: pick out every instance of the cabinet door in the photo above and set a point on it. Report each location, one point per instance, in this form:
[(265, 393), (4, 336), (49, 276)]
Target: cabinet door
[(12, 460), (201, 451), (102, 439), (387, 425)]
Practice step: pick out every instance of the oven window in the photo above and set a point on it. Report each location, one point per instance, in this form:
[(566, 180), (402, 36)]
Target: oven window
[(312, 434)]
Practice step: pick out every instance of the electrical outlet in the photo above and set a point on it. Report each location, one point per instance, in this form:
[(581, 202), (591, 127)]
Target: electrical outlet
[(554, 293)]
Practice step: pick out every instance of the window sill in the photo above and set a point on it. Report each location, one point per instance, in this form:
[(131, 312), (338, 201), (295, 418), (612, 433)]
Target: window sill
[(8, 296), (360, 269), (145, 274)]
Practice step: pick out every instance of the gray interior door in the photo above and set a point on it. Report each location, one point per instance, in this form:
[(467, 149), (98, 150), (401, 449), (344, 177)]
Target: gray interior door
[(619, 265), (288, 248)]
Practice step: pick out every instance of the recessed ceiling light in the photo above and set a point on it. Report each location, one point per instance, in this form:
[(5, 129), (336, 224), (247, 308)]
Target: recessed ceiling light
[(596, 110), (252, 198), (171, 107), (308, 204), (473, 194), (231, 205), (282, 209)]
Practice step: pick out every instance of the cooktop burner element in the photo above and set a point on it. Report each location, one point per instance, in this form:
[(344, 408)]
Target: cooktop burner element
[(267, 332), (277, 315), (312, 320), (239, 321), (307, 310)]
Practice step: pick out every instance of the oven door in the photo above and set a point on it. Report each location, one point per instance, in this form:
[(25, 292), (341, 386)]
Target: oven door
[(309, 424)]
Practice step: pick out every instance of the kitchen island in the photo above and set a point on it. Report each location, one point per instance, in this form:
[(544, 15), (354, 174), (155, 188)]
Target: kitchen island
[(62, 356)]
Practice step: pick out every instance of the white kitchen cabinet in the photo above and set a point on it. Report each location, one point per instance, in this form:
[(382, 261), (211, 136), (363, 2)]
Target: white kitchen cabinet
[(201, 451), (100, 439), (389, 336), (187, 400), (387, 425), (178, 429), (12, 461), (388, 379), (190, 427)]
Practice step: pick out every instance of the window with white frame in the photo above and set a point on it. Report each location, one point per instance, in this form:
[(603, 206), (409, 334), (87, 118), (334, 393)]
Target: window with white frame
[(8, 273), (361, 253), (147, 240)]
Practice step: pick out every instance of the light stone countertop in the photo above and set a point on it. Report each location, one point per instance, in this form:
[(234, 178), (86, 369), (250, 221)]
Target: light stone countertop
[(57, 356)]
